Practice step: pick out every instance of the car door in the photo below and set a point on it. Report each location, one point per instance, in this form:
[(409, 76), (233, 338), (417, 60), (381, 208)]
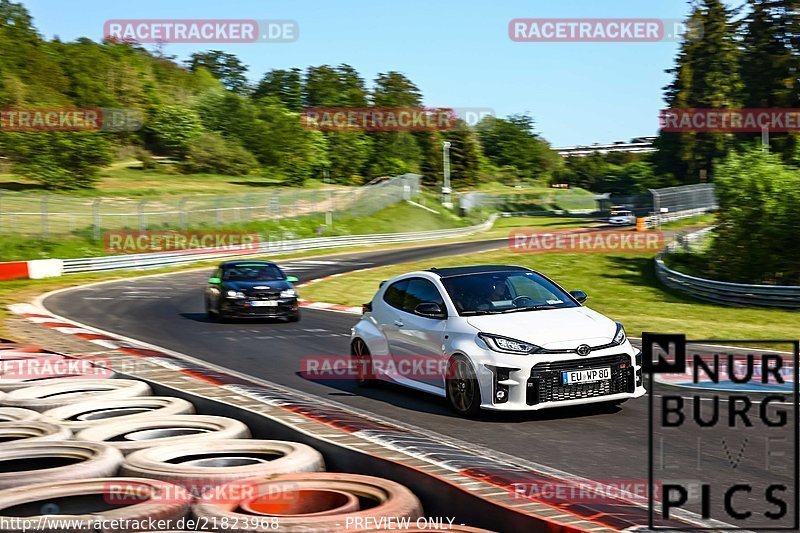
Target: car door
[(386, 312), (416, 345)]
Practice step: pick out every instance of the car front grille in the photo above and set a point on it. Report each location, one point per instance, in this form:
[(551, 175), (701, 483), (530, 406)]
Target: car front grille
[(264, 295), (545, 383)]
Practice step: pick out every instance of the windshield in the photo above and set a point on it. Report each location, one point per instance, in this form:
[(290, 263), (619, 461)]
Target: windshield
[(252, 273), (505, 292)]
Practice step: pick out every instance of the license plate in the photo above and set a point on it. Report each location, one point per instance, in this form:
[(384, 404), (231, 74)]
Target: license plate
[(571, 377), (264, 303)]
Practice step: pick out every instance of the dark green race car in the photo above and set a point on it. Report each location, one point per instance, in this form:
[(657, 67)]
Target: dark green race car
[(251, 289)]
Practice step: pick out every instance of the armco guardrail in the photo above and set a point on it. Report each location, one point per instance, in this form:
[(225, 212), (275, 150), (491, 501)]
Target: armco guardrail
[(162, 259), (738, 294)]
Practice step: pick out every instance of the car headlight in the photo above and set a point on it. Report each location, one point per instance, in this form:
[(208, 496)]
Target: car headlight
[(288, 293), (619, 336), (234, 294), (507, 345)]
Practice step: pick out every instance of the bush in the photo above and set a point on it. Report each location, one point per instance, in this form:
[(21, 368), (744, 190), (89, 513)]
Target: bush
[(59, 160), (759, 201), (212, 153)]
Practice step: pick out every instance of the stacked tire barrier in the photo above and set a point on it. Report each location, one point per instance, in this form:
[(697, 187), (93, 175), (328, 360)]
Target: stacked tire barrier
[(104, 454)]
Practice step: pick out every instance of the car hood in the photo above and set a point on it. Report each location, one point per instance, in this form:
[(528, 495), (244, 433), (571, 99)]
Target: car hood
[(553, 329), (275, 285)]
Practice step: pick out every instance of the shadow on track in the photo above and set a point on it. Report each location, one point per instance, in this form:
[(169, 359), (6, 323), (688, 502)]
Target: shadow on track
[(422, 402)]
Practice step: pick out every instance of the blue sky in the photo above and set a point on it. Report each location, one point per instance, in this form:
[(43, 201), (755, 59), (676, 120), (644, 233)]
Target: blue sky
[(457, 52)]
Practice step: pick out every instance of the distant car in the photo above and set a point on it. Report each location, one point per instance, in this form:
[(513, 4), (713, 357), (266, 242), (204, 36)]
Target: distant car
[(251, 289), (622, 218), (493, 337)]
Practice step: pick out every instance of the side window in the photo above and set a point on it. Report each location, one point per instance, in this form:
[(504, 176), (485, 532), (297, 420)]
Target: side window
[(421, 291), (395, 293)]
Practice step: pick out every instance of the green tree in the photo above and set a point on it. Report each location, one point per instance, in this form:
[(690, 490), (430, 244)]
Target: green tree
[(226, 67), (285, 85), (513, 142), (172, 128), (706, 75), (59, 160), (212, 153)]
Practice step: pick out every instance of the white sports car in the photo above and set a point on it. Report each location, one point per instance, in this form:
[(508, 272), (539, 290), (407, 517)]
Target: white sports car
[(493, 337)]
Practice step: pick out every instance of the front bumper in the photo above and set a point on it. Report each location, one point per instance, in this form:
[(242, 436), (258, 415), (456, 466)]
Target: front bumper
[(530, 383), (244, 308)]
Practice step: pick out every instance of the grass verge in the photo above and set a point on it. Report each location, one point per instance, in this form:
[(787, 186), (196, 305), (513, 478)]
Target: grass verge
[(623, 287), (401, 217)]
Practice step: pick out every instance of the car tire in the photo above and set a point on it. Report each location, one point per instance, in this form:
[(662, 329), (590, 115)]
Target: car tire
[(132, 435), (56, 461), (11, 414), (86, 414), (51, 393), (295, 317), (210, 313), (140, 501), (32, 431), (200, 466), (361, 359), (462, 387)]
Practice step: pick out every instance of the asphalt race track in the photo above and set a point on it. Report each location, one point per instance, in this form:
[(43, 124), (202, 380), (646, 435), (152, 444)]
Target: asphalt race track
[(602, 443)]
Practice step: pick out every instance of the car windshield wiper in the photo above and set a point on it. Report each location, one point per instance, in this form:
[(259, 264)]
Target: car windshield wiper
[(528, 308), (473, 313)]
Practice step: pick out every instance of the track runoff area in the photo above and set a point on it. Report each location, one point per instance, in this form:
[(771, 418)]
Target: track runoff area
[(713, 445)]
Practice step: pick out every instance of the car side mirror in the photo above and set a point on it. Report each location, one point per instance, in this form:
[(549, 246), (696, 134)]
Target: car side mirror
[(430, 310), (292, 279), (579, 295), (214, 280)]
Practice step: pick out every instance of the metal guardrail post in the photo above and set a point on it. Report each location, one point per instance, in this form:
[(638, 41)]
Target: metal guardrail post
[(218, 210)]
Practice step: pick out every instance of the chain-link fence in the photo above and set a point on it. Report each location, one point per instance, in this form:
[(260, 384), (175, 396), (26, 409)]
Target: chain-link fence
[(50, 215), (673, 203), (575, 201)]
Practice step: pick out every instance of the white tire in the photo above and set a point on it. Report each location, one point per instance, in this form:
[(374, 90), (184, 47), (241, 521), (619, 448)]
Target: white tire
[(52, 393), (132, 435), (53, 461), (10, 414), (82, 415), (199, 466), (85, 502), (32, 431)]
